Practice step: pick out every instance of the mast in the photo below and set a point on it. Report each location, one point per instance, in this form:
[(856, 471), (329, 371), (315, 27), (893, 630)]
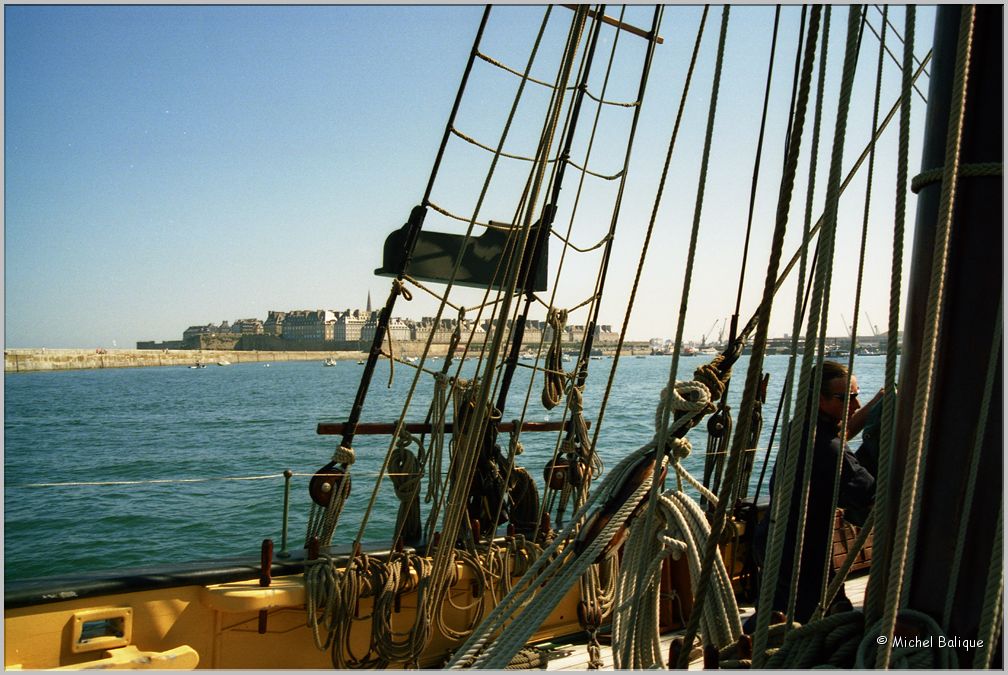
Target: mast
[(970, 314)]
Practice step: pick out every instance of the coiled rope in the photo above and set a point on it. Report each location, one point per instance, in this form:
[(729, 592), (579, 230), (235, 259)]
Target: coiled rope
[(830, 642), (913, 653), (681, 528), (399, 577), (549, 579), (405, 473), (337, 594)]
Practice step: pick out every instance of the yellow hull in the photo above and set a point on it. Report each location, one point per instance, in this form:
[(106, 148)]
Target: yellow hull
[(218, 626)]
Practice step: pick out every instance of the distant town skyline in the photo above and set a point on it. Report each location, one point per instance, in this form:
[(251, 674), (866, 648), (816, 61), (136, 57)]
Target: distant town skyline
[(421, 325)]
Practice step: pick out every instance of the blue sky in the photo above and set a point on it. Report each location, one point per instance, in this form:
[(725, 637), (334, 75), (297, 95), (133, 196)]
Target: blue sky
[(176, 165)]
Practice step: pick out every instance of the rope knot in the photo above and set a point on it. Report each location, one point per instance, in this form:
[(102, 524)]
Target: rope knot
[(404, 439), (399, 288), (700, 398), (681, 447), (710, 375), (670, 545), (556, 318), (575, 400), (344, 455)]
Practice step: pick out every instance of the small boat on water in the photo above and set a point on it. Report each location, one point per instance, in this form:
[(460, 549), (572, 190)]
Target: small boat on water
[(499, 570), (329, 362)]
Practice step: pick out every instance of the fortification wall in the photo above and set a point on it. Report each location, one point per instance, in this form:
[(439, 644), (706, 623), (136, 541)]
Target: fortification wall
[(28, 360), (25, 360)]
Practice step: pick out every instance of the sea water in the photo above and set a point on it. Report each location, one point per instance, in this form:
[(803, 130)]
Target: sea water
[(119, 468)]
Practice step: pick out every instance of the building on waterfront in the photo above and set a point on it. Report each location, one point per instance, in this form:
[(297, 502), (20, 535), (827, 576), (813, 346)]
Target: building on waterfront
[(604, 334), (248, 327), (309, 324), (274, 323), (356, 328), (534, 331), (192, 332), (349, 324), (443, 330), (398, 329)]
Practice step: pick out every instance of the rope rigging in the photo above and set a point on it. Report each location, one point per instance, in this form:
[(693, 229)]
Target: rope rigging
[(923, 395), (480, 555), (484, 488), (475, 423)]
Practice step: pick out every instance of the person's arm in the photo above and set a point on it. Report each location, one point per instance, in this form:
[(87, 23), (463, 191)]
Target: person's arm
[(856, 422), (857, 486)]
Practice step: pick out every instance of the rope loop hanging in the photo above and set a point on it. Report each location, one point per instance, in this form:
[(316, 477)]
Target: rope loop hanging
[(399, 288), (553, 379)]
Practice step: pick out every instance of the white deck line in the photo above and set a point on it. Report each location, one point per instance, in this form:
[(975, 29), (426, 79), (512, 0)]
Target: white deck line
[(577, 659)]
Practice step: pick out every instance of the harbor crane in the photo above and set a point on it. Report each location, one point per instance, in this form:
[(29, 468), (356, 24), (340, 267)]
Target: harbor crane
[(872, 324), (703, 338), (846, 327)]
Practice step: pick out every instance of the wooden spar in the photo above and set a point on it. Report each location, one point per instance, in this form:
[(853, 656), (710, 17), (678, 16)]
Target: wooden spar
[(375, 428), (974, 278), (633, 30)]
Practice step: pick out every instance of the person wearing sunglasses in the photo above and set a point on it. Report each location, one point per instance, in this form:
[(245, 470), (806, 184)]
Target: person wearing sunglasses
[(856, 495)]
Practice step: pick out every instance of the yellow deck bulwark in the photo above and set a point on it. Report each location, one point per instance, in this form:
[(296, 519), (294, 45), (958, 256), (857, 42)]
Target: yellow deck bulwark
[(218, 626)]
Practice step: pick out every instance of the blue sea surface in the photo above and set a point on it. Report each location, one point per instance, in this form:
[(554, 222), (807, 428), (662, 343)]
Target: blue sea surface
[(119, 468)]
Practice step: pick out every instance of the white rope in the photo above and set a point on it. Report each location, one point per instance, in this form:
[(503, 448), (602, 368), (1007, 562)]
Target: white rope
[(704, 492), (680, 528), (555, 571), (549, 578), (344, 455)]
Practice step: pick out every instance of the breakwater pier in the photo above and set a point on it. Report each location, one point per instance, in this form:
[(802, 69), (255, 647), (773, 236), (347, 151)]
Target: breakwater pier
[(30, 360), (23, 360)]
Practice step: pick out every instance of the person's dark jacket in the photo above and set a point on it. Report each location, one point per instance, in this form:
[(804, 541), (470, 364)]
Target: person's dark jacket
[(868, 453), (856, 495)]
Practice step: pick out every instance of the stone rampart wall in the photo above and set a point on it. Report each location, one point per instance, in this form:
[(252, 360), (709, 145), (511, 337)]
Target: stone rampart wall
[(27, 360)]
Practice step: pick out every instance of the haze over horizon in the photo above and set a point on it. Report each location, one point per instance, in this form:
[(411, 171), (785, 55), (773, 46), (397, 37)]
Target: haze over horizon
[(168, 166)]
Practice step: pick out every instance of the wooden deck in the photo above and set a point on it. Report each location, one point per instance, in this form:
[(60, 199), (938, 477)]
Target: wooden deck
[(573, 655)]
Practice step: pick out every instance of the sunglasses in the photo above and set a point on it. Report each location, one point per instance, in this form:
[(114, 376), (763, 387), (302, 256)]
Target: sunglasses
[(840, 397)]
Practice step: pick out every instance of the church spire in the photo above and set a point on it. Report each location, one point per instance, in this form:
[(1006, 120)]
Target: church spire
[(369, 302)]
